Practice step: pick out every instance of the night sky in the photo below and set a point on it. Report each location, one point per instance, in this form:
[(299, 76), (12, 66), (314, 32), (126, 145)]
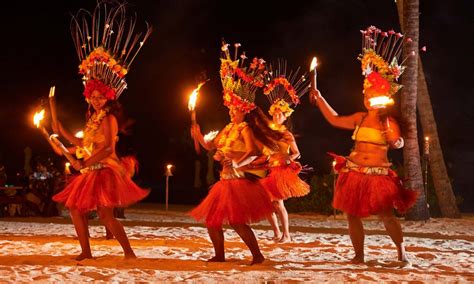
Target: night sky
[(37, 52)]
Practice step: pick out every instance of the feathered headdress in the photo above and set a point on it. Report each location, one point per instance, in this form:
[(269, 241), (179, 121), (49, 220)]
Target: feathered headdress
[(240, 83), (381, 52), (284, 88), (106, 46)]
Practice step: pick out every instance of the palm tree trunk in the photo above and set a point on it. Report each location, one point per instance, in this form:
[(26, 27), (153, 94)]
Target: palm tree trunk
[(439, 174), (411, 151)]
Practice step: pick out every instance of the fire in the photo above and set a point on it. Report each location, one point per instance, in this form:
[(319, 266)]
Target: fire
[(314, 63), (381, 102), (193, 96), (169, 166), (38, 117), (210, 136), (79, 134), (52, 91), (192, 99)]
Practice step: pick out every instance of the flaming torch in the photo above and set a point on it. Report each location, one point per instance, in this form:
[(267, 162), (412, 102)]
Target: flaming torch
[(426, 160), (79, 134), (53, 137), (168, 174), (210, 136), (37, 118), (192, 109), (314, 77), (52, 107)]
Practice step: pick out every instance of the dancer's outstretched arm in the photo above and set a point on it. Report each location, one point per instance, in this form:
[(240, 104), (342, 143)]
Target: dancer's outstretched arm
[(346, 122), (196, 133)]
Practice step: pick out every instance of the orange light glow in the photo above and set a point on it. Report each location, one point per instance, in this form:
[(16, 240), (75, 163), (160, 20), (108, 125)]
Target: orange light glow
[(38, 117), (381, 102), (314, 64), (193, 97)]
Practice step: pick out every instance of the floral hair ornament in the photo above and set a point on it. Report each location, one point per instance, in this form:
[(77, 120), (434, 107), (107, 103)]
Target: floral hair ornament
[(238, 81), (106, 45), (284, 88), (381, 52), (98, 85), (281, 105)]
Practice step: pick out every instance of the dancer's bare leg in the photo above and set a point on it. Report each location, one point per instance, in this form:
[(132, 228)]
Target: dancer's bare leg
[(394, 230), (247, 235), (272, 219), (217, 237), (108, 234), (81, 226), (106, 216), (283, 215), (356, 232)]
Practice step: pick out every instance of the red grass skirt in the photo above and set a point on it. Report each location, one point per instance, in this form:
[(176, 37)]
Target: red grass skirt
[(361, 195), (234, 201), (283, 182), (106, 187)]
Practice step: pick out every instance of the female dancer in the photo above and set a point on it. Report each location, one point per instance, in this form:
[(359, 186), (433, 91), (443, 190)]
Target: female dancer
[(104, 182), (366, 185), (283, 181), (237, 198)]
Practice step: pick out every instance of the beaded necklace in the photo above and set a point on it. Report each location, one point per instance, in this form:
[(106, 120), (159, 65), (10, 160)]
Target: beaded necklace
[(89, 133)]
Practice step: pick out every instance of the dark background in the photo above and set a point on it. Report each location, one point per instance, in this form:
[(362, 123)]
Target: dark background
[(37, 52)]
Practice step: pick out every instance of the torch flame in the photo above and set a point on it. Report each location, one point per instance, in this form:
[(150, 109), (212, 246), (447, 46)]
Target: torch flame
[(193, 96), (169, 166), (210, 136), (38, 117), (381, 102), (314, 63), (79, 134), (192, 99), (52, 91)]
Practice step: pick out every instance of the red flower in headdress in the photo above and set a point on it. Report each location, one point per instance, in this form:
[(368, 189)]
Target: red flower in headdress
[(378, 83), (98, 85)]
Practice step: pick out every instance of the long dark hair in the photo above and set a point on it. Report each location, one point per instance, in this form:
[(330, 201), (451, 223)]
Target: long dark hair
[(259, 123)]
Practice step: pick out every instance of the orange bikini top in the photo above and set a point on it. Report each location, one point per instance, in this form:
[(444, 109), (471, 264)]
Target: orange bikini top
[(368, 134)]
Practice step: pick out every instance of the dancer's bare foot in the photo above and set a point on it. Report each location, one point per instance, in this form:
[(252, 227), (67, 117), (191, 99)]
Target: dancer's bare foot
[(83, 256), (285, 239), (257, 259), (402, 255), (403, 258), (216, 259), (277, 237), (357, 260)]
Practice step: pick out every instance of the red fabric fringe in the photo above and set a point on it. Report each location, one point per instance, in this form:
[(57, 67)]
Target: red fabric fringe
[(107, 187), (283, 182), (234, 201), (130, 164), (362, 195)]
